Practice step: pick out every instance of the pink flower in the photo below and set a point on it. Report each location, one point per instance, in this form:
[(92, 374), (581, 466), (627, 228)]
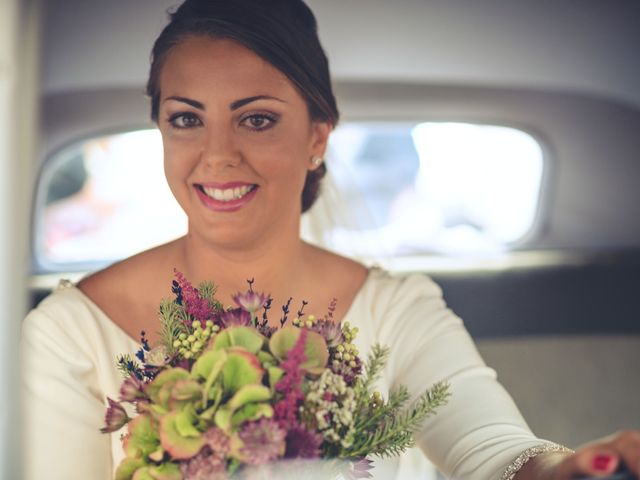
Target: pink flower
[(217, 441), (360, 469), (285, 410), (235, 317), (210, 463), (349, 373), (330, 331), (195, 306), (131, 390), (301, 443), (263, 441), (295, 357), (250, 301), (115, 418), (204, 466)]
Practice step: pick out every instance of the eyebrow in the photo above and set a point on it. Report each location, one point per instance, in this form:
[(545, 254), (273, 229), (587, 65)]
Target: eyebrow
[(244, 101), (188, 101), (233, 106)]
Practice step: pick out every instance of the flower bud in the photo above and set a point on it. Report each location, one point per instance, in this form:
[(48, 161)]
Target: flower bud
[(115, 418), (131, 390)]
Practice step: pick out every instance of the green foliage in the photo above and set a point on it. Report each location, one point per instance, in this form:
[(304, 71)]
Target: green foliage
[(207, 290), (386, 428), (172, 323), (128, 467), (389, 430), (315, 348), (143, 438), (239, 336), (376, 361), (176, 438), (127, 365)]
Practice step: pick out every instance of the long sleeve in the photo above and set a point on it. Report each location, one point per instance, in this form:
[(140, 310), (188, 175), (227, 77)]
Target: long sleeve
[(62, 405), (480, 431), (68, 354)]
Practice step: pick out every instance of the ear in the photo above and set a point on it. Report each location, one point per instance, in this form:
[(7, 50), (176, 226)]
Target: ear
[(319, 138)]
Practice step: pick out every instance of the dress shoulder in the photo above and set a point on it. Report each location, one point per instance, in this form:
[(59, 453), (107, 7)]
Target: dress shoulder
[(68, 350)]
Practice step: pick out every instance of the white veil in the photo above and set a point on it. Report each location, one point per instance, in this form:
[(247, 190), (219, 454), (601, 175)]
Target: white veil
[(340, 222)]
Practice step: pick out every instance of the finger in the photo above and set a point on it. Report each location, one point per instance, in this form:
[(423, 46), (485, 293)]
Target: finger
[(628, 446), (590, 461)]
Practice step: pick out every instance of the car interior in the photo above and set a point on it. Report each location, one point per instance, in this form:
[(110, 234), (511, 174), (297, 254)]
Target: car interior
[(490, 145)]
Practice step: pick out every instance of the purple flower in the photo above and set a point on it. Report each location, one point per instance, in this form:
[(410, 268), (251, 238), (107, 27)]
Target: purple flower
[(131, 390), (204, 466), (301, 443), (349, 373), (266, 330), (285, 410), (250, 301), (263, 441), (235, 317), (195, 305), (360, 469), (210, 462), (115, 418), (217, 441), (330, 331)]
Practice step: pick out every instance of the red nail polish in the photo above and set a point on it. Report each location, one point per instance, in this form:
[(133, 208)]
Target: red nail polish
[(602, 462)]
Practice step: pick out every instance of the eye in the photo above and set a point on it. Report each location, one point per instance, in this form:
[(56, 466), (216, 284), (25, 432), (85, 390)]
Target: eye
[(184, 120), (259, 121)]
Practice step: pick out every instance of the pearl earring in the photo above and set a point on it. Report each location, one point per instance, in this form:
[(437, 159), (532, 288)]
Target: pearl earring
[(316, 161)]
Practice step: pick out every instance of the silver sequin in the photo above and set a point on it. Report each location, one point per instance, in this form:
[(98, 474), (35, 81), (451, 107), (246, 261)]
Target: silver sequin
[(515, 466)]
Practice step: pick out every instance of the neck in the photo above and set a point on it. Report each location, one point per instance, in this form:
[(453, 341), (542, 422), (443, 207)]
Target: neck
[(276, 266)]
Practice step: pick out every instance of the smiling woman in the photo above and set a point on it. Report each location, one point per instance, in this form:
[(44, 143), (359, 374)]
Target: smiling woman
[(241, 94), (229, 120)]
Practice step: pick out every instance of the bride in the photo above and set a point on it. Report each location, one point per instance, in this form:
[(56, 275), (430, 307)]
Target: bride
[(241, 93)]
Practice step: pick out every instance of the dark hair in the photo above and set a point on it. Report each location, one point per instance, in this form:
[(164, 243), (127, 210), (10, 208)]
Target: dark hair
[(282, 32)]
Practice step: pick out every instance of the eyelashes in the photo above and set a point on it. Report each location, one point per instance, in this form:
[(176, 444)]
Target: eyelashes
[(184, 120), (256, 122), (259, 121)]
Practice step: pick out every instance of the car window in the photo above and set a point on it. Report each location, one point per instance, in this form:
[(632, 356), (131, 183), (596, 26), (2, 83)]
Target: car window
[(103, 199), (400, 188)]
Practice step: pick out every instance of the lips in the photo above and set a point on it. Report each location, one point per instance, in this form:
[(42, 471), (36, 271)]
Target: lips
[(226, 197)]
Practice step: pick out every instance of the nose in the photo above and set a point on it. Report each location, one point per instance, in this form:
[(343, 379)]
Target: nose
[(220, 149)]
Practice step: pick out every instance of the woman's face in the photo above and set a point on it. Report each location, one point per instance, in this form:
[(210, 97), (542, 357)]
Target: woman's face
[(238, 141)]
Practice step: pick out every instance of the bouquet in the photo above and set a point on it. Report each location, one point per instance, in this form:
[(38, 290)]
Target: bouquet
[(224, 392)]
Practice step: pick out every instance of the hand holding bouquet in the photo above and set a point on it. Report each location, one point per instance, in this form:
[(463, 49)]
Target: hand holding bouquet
[(225, 391)]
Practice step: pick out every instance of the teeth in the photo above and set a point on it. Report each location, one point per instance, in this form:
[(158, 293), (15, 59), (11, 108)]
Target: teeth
[(227, 194)]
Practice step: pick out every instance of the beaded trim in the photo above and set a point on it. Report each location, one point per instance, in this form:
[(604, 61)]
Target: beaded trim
[(64, 283), (528, 454)]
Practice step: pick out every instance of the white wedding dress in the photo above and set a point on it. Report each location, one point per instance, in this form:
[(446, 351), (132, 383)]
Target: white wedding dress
[(69, 348)]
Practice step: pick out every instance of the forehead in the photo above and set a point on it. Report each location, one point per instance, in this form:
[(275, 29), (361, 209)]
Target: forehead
[(203, 66)]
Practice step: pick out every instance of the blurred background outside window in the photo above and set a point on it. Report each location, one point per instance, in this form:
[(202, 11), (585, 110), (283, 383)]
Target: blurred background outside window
[(394, 189)]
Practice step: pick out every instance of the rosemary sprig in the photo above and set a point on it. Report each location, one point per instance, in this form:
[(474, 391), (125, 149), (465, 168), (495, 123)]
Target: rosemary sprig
[(376, 361), (171, 323), (395, 433), (207, 290)]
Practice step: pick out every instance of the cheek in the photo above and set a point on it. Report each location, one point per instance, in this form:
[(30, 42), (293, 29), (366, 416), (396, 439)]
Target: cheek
[(176, 170), (287, 171), (286, 160), (177, 159)]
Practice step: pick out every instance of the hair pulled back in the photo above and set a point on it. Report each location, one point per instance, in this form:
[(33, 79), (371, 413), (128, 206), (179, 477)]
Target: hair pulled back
[(282, 32)]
